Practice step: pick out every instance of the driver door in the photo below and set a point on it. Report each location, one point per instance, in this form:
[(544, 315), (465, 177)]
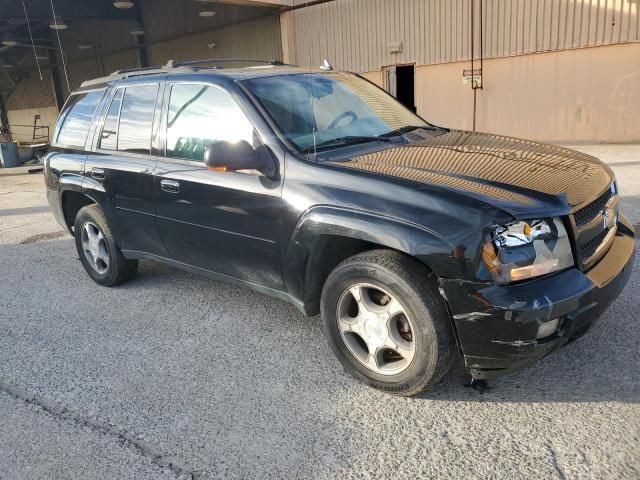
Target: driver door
[(223, 222)]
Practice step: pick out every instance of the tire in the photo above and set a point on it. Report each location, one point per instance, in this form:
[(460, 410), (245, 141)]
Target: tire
[(387, 282), (111, 268)]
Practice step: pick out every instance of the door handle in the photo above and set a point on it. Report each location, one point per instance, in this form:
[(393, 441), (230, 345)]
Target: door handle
[(97, 173), (170, 186)]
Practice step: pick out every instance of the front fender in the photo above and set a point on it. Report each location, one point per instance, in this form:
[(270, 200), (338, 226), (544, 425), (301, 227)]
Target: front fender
[(415, 240)]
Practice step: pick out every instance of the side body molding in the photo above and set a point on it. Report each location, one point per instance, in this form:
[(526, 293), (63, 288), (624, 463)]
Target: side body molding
[(79, 183), (70, 181), (89, 184), (389, 232)]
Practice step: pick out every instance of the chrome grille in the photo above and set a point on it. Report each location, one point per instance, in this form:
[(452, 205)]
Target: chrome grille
[(591, 211), (595, 227), (588, 249)]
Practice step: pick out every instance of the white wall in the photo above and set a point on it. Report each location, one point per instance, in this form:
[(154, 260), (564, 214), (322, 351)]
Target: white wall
[(48, 116), (583, 95), (359, 35)]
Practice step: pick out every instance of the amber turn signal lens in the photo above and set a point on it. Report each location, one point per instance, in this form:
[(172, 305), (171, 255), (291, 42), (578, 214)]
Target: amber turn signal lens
[(489, 256), (218, 169)]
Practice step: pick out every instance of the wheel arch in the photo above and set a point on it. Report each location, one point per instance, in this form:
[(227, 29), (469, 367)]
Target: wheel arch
[(75, 192), (325, 236), (72, 202)]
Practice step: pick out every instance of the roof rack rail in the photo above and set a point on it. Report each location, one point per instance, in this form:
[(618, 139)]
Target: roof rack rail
[(123, 73), (130, 70), (174, 64)]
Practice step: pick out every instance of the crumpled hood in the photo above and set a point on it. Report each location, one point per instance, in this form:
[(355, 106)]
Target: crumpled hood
[(519, 176)]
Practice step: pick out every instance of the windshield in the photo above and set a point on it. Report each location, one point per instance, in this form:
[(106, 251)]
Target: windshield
[(318, 109)]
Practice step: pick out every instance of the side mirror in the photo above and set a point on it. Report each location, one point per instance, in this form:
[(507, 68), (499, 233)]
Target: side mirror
[(229, 157)]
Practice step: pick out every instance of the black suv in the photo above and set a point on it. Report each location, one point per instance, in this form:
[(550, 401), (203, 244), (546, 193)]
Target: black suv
[(414, 242)]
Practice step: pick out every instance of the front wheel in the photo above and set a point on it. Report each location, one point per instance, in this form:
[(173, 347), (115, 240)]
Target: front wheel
[(386, 323)]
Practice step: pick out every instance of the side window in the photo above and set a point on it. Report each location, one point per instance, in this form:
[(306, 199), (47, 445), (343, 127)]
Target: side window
[(136, 119), (109, 136), (200, 115), (129, 120), (75, 119)]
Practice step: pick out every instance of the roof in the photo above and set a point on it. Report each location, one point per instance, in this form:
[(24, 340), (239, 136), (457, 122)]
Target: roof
[(268, 70)]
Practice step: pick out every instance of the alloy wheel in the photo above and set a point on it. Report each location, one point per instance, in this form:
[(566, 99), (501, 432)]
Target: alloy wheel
[(376, 329), (95, 248)]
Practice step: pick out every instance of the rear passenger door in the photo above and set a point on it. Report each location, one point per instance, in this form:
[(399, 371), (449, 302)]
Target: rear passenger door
[(123, 165), (224, 222)]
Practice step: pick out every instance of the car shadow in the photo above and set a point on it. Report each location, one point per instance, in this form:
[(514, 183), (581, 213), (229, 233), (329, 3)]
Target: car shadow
[(602, 366), (11, 212)]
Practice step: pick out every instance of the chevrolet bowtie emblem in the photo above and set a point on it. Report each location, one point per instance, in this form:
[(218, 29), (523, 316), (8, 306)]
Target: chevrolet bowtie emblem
[(608, 218)]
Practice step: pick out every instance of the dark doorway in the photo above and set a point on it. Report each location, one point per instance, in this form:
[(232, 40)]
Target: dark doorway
[(406, 82)]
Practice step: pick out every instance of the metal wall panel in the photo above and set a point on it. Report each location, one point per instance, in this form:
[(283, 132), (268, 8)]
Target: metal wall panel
[(31, 92), (108, 35), (257, 39), (83, 70), (164, 19), (356, 34)]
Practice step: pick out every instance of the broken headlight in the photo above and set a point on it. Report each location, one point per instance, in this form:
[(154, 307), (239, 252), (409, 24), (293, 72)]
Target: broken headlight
[(522, 250)]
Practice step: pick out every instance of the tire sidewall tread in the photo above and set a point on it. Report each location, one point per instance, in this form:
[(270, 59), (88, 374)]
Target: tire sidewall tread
[(415, 286), (120, 269)]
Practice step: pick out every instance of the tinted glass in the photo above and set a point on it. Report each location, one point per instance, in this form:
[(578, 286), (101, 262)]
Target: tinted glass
[(75, 119), (136, 119), (200, 115), (315, 108), (109, 136)]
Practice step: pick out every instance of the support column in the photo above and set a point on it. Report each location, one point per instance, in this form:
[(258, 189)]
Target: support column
[(286, 36), (55, 79), (4, 120), (140, 40)]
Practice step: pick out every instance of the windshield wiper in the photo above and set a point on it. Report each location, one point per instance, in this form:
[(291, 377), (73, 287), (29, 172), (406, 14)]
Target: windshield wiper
[(410, 128), (348, 140)]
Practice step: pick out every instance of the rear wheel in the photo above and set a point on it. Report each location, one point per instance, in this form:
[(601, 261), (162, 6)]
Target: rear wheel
[(386, 322), (98, 251)]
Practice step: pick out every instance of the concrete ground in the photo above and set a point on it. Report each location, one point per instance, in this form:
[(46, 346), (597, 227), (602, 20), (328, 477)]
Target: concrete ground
[(177, 376)]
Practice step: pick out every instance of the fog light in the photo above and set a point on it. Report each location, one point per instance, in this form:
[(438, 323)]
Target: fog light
[(547, 329)]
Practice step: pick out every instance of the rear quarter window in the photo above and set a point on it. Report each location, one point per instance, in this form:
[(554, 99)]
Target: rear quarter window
[(76, 117)]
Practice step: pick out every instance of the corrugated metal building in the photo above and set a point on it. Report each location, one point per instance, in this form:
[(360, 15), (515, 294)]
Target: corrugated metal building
[(556, 70), (94, 47)]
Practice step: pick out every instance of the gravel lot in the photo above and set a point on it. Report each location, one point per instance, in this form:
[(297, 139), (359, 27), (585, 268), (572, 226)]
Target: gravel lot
[(177, 376)]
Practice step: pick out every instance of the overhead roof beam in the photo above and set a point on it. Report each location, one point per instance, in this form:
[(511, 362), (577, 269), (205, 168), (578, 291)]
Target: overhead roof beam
[(67, 9), (283, 4), (267, 3)]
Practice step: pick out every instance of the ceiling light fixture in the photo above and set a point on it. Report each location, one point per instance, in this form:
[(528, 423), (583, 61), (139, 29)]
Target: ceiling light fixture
[(8, 41), (85, 46), (123, 4), (206, 12), (57, 24)]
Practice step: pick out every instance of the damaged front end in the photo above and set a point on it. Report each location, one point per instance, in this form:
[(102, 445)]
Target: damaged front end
[(536, 300), (523, 250)]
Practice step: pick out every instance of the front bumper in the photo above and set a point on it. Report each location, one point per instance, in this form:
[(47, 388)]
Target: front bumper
[(497, 325)]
